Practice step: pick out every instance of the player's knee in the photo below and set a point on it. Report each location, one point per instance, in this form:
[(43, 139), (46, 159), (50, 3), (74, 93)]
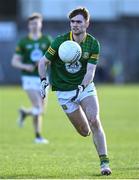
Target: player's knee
[(94, 121), (84, 132), (36, 111)]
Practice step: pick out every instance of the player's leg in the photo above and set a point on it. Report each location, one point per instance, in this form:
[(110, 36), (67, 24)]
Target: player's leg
[(90, 106), (73, 112), (79, 121), (27, 84), (23, 113), (37, 111), (31, 85)]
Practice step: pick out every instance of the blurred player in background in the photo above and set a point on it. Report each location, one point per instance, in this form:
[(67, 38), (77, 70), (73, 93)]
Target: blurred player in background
[(74, 83), (28, 52)]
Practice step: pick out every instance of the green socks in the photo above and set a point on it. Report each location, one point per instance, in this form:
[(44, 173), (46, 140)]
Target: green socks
[(103, 159)]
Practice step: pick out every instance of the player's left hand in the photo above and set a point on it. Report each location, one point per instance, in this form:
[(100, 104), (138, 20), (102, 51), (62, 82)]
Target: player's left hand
[(44, 84), (78, 92)]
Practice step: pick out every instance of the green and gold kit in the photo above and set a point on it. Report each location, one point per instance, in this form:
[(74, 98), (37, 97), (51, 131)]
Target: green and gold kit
[(32, 50), (66, 76)]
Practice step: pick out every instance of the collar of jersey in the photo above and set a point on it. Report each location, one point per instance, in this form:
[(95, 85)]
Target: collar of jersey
[(71, 37), (30, 36)]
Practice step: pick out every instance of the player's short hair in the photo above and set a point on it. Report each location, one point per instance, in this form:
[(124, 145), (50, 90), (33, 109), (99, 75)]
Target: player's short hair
[(81, 10), (35, 15)]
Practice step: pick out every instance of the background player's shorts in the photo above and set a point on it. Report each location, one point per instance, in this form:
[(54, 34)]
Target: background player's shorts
[(31, 83), (64, 98)]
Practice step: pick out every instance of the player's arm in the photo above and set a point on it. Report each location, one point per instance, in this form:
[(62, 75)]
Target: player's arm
[(17, 58), (92, 63), (91, 68), (49, 56), (17, 63), (42, 66), (89, 76)]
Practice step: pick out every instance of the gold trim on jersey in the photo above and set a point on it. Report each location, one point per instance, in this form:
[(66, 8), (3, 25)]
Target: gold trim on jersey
[(17, 48), (51, 51), (94, 56), (71, 37)]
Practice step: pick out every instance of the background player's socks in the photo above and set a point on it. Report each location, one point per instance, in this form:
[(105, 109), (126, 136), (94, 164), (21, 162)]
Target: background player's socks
[(21, 118), (38, 135)]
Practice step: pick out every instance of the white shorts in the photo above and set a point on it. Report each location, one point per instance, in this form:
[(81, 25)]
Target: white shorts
[(64, 98), (31, 83)]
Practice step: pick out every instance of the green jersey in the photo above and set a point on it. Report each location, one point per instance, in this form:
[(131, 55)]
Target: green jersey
[(66, 76), (32, 50)]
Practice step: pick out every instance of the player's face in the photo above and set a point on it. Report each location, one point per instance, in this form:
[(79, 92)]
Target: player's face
[(35, 25), (78, 24)]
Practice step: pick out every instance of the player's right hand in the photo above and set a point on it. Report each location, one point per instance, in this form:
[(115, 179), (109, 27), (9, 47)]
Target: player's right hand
[(44, 84), (79, 90)]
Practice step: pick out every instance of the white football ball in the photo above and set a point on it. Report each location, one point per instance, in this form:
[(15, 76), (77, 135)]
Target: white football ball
[(69, 51)]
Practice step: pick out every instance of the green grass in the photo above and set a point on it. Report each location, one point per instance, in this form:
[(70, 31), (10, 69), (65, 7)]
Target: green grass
[(69, 155)]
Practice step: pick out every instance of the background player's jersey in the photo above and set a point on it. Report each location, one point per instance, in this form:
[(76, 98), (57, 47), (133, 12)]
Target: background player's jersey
[(67, 77), (32, 50)]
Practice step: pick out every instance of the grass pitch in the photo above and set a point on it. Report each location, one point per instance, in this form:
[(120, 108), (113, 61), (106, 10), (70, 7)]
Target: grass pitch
[(69, 155)]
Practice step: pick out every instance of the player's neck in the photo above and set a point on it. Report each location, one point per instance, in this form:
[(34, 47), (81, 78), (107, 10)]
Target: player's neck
[(79, 38), (35, 35)]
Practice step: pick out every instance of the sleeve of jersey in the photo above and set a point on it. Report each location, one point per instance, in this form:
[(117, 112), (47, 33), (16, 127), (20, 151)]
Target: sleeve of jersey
[(19, 48), (95, 53), (52, 50)]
